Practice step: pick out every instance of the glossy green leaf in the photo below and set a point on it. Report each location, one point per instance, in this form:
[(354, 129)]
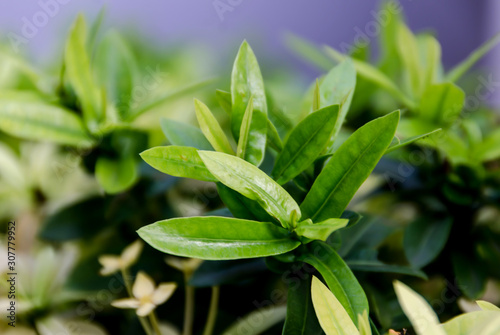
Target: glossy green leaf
[(80, 76), (115, 69), (441, 104), (320, 231), (409, 55), (337, 276), (178, 161), (246, 83), (459, 70), (253, 183), (305, 143), (116, 175), (337, 88), (212, 237), (183, 134), (410, 140), (331, 315), (420, 313), (300, 316), (36, 120), (348, 168), (211, 128), (374, 75), (424, 239)]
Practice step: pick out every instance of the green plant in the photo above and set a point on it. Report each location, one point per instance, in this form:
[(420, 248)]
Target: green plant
[(267, 219)]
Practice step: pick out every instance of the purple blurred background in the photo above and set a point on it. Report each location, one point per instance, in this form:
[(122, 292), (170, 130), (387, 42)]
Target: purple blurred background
[(461, 25)]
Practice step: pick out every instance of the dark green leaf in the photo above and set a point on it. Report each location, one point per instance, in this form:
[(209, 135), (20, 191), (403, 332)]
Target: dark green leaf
[(305, 143), (377, 266), (215, 273), (424, 239), (338, 277), (300, 316), (470, 274), (348, 168), (218, 238)]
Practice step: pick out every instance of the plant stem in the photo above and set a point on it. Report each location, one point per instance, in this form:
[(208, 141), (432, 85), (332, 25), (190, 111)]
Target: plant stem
[(128, 285), (212, 313), (154, 321), (188, 307)]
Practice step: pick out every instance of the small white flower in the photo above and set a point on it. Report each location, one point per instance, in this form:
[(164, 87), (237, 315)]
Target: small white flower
[(145, 296), (112, 263)]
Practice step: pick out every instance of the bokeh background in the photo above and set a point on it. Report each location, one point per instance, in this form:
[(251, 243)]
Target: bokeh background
[(219, 26)]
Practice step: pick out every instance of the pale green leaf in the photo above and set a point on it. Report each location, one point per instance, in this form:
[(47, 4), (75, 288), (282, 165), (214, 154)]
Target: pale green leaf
[(178, 161), (34, 120), (211, 128), (331, 314), (420, 313), (487, 306), (320, 231), (246, 325), (80, 76)]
